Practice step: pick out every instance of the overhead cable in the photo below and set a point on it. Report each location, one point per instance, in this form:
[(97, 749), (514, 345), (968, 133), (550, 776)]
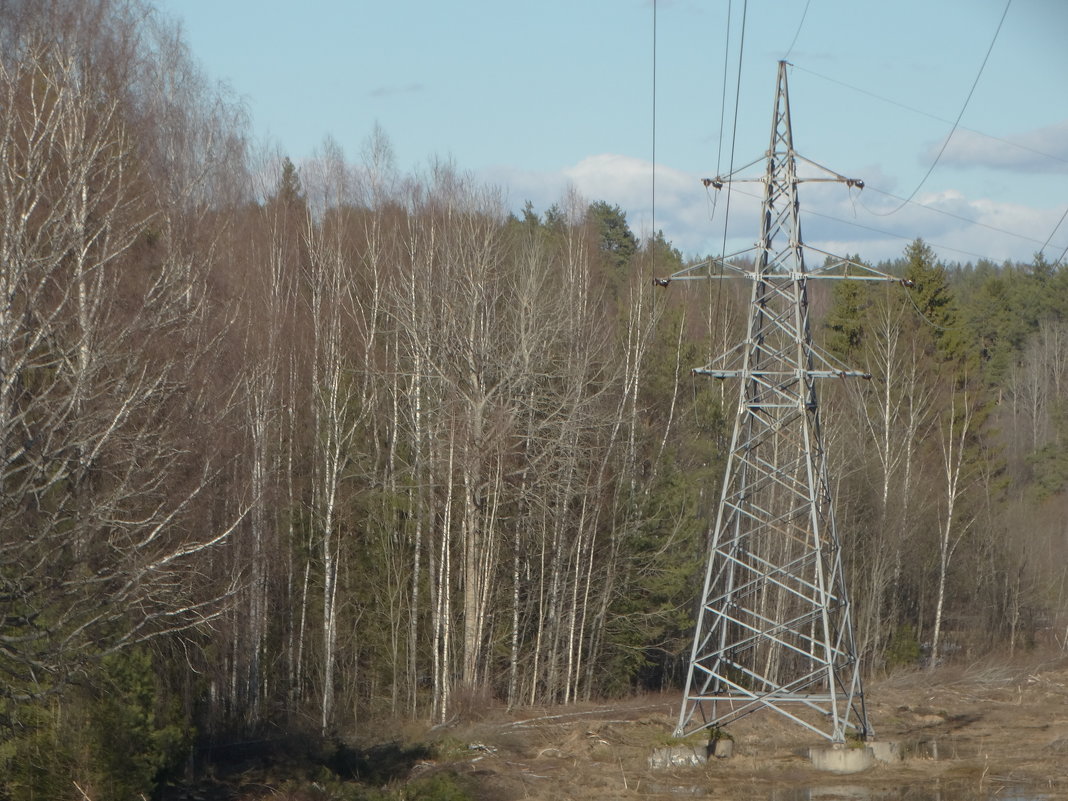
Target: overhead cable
[(809, 211), (652, 240), (1061, 257), (956, 122), (722, 109), (716, 305), (927, 114), (734, 131), (1051, 233), (797, 33), (960, 217)]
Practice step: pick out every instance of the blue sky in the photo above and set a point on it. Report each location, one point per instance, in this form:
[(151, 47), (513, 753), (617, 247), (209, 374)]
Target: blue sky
[(537, 97)]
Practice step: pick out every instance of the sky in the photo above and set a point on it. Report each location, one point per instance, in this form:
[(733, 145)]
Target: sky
[(539, 98)]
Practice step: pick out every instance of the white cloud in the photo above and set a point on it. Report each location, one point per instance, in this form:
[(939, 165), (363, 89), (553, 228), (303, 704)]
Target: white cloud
[(1040, 150), (690, 216), (959, 227), (834, 219)]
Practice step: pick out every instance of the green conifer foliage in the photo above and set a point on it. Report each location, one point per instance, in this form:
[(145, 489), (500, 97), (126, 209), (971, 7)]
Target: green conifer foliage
[(617, 242), (118, 734), (844, 323), (936, 303), (135, 730)]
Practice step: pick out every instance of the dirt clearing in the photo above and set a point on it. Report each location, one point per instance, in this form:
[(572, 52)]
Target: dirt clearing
[(981, 732)]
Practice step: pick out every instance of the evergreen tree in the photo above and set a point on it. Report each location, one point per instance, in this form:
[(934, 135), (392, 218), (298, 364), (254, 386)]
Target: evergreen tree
[(845, 320), (289, 192), (935, 302), (1003, 312), (617, 241), (530, 217), (665, 257)]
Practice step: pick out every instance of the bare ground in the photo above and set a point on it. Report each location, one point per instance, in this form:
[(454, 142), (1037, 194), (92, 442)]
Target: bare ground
[(981, 732)]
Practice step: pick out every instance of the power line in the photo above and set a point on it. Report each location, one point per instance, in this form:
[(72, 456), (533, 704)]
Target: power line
[(919, 312), (1061, 257), (722, 105), (797, 33), (716, 305), (1051, 233), (723, 89), (956, 122), (927, 114), (734, 131), (652, 245), (810, 211), (962, 218)]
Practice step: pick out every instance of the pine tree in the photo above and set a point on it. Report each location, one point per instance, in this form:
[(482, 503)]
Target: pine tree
[(617, 241), (289, 191)]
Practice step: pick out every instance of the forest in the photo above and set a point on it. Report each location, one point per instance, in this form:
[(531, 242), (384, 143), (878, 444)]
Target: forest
[(299, 446)]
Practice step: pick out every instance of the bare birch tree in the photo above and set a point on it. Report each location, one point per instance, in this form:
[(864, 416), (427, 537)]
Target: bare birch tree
[(100, 520), (955, 432), (334, 392)]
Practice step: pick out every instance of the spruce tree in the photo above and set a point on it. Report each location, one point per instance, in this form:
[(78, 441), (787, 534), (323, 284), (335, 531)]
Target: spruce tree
[(935, 302)]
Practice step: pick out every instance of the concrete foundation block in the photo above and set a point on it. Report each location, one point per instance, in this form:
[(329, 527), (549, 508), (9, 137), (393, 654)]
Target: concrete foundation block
[(841, 759)]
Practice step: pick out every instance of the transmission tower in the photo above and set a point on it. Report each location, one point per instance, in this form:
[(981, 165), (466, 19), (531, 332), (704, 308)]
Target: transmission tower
[(774, 628)]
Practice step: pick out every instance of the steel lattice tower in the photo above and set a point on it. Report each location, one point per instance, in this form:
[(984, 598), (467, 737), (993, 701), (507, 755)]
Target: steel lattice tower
[(774, 628)]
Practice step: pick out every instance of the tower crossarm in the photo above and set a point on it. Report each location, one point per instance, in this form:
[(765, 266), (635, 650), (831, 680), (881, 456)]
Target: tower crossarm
[(809, 373), (735, 177), (736, 266)]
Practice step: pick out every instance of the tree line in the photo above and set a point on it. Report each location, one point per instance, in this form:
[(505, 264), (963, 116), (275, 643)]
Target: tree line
[(956, 501), (301, 447)]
